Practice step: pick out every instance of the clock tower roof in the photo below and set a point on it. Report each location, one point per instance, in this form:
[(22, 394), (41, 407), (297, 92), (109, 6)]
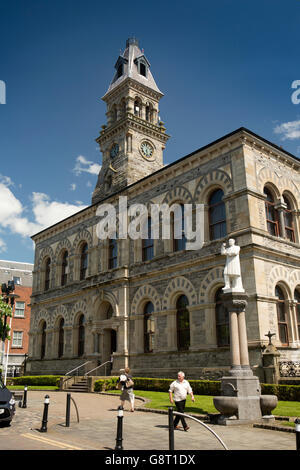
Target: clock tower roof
[(133, 64)]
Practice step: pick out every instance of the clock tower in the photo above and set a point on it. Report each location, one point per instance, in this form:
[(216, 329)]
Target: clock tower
[(133, 140)]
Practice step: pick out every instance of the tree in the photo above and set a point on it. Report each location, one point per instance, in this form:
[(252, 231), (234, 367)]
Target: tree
[(5, 311)]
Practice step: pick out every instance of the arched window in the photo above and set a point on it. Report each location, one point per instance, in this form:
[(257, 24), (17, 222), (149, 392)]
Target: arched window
[(64, 269), (47, 273), (289, 229), (271, 213), (138, 108), (43, 342), (83, 261), (109, 312), (114, 113), (147, 243), (281, 316), (148, 327), (297, 299), (217, 215), (149, 113), (112, 253), (61, 338), (222, 321), (81, 335), (178, 243), (183, 323)]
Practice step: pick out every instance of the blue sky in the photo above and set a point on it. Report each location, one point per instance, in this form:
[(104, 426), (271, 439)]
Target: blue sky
[(221, 64)]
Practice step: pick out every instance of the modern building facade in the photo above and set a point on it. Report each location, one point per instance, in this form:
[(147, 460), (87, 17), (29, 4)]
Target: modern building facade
[(153, 304), (16, 349)]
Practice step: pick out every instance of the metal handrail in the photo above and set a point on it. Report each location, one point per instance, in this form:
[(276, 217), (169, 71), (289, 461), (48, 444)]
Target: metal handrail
[(205, 425), (76, 368), (97, 367)]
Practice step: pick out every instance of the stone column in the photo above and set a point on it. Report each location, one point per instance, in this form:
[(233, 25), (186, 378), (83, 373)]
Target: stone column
[(236, 303), (281, 206)]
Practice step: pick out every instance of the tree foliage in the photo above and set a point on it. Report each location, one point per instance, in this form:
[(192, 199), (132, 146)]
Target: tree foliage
[(5, 311)]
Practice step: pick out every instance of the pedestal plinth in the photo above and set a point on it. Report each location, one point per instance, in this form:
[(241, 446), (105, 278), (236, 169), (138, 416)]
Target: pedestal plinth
[(240, 400)]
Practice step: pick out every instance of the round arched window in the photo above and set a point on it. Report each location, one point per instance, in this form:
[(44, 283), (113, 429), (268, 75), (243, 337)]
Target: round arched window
[(217, 215), (148, 327), (183, 323)]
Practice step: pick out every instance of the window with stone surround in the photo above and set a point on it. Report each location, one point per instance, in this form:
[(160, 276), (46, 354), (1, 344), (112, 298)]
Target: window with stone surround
[(217, 215), (183, 323), (81, 335), (148, 244), (178, 243), (222, 320), (282, 316), (297, 299), (61, 338), (83, 261), (43, 340), (148, 327), (64, 268), (47, 273), (272, 216), (112, 253), (289, 227)]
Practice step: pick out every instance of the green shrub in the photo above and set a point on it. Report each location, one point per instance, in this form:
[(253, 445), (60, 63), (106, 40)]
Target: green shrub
[(283, 392), (200, 387), (36, 380), (102, 385)]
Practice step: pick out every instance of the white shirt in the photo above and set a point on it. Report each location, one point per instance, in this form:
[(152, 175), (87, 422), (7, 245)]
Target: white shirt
[(180, 389)]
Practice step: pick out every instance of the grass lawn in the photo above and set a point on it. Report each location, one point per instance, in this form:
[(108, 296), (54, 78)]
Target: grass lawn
[(204, 403)]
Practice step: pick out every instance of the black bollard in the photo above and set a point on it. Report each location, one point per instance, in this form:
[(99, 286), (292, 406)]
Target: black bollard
[(119, 438), (45, 414), (68, 410), (297, 427), (25, 397), (171, 429)]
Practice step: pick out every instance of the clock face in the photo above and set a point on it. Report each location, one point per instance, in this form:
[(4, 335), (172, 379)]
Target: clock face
[(114, 150), (147, 149)]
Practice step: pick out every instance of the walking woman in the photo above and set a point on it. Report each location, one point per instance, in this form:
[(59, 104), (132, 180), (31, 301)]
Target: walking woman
[(127, 384)]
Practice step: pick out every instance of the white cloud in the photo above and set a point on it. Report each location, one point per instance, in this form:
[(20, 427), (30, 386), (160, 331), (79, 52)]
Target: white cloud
[(13, 215), (84, 165), (73, 187), (2, 246), (49, 212), (288, 130)]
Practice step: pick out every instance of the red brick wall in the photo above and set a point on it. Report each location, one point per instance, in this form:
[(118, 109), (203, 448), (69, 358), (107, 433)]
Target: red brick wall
[(21, 324)]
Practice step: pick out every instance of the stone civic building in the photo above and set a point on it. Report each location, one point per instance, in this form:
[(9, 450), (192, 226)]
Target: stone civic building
[(153, 304)]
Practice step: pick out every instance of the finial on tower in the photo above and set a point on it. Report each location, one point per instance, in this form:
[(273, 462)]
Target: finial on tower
[(134, 41)]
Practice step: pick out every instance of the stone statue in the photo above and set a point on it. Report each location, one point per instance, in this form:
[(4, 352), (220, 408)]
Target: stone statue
[(232, 271)]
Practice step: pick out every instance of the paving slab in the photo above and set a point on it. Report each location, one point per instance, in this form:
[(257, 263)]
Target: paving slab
[(97, 427)]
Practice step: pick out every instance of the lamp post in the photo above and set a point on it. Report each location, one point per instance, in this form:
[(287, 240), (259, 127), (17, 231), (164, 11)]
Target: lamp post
[(8, 297)]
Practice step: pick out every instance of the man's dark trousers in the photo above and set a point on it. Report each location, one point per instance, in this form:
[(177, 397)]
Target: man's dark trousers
[(180, 406)]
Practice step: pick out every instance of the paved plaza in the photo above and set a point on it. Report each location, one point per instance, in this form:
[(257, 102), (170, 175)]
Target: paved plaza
[(97, 426)]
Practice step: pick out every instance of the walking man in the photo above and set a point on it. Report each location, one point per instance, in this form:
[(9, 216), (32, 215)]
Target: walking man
[(180, 388)]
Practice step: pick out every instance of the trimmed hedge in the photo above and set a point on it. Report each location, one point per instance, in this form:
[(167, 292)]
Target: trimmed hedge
[(283, 392), (200, 387), (52, 380)]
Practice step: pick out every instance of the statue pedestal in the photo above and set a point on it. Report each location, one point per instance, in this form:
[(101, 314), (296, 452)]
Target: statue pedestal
[(240, 401)]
